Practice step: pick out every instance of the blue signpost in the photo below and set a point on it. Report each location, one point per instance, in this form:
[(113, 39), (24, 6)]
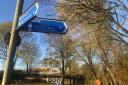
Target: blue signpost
[(28, 15), (28, 22), (45, 26)]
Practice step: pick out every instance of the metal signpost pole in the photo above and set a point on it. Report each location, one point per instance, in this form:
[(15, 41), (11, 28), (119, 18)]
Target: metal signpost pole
[(9, 65)]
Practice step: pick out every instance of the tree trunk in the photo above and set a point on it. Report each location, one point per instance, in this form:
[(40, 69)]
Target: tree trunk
[(63, 71), (114, 80), (27, 69)]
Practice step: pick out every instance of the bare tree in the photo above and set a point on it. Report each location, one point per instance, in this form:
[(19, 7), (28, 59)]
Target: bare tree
[(98, 26), (61, 52)]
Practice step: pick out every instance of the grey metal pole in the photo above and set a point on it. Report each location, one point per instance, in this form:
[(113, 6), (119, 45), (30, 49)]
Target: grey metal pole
[(9, 66)]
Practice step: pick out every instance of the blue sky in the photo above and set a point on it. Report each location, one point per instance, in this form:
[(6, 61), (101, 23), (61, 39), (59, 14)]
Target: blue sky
[(7, 9)]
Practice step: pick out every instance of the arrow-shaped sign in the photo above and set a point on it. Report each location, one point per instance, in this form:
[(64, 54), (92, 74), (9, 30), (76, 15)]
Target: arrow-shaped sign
[(28, 15), (45, 26)]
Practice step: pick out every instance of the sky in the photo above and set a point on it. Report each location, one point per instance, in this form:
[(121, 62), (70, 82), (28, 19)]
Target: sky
[(7, 10)]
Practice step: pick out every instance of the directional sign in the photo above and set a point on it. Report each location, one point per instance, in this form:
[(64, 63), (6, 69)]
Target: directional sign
[(29, 14), (45, 26)]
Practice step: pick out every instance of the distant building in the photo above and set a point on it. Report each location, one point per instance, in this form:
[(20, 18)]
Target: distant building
[(46, 70)]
